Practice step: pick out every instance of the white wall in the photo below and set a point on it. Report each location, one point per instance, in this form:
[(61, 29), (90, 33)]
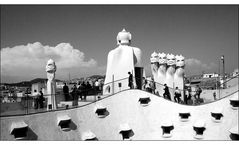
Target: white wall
[(38, 86)]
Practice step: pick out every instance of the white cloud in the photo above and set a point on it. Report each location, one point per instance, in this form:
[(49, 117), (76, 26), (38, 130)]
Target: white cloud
[(192, 61), (32, 58), (196, 66)]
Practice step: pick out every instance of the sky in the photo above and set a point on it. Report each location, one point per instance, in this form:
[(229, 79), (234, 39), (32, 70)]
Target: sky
[(79, 37)]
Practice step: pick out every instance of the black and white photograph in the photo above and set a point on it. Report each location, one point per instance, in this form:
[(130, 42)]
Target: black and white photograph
[(119, 72)]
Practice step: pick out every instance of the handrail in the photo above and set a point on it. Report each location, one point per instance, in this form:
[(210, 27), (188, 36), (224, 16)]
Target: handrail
[(231, 79), (60, 109), (29, 98), (116, 80), (199, 104)]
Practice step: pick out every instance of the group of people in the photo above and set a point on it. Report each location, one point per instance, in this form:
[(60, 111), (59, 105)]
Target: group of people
[(178, 95), (148, 86), (198, 92), (38, 99), (80, 91)]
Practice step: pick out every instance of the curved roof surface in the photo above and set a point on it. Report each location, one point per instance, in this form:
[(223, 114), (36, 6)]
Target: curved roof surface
[(125, 108)]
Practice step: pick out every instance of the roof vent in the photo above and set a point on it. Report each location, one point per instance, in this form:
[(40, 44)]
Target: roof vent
[(199, 127), (234, 133), (184, 115), (126, 131), (101, 111), (144, 100), (167, 127), (217, 115), (64, 122), (19, 130), (234, 101), (89, 136)]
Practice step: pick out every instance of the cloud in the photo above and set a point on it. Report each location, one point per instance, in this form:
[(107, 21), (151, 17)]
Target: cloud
[(32, 58), (196, 66)]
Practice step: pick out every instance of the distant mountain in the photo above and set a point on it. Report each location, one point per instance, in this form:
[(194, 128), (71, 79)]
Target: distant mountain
[(27, 83), (38, 80), (90, 78), (96, 77), (20, 84), (43, 80), (77, 79)]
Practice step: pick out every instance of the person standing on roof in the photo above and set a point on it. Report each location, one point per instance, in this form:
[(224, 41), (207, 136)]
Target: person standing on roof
[(36, 96), (66, 92), (152, 85), (97, 87), (166, 93), (84, 90), (88, 88), (177, 95), (214, 95), (41, 99), (75, 95), (198, 92), (130, 84)]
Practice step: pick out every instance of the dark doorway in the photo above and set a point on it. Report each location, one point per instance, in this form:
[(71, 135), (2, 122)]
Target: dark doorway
[(138, 76)]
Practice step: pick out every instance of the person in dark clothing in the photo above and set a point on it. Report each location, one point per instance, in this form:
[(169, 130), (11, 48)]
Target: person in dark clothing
[(189, 96), (166, 93), (75, 96), (36, 99), (189, 93), (130, 80), (88, 88), (66, 92), (147, 86), (152, 85), (185, 97), (177, 95), (41, 99), (214, 95), (84, 91), (198, 92)]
